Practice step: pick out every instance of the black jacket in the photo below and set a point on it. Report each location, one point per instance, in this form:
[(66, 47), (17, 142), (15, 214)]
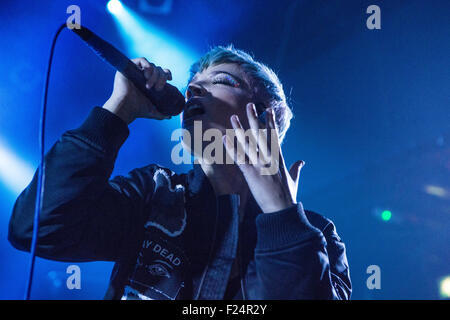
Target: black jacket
[(170, 237)]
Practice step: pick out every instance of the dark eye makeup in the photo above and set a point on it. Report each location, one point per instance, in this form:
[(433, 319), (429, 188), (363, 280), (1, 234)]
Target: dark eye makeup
[(226, 79)]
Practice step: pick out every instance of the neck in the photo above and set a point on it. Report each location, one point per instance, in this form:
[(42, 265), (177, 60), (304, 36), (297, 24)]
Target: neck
[(225, 179), (228, 179)]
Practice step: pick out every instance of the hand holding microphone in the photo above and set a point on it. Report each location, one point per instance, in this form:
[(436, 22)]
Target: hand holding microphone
[(128, 102), (140, 89)]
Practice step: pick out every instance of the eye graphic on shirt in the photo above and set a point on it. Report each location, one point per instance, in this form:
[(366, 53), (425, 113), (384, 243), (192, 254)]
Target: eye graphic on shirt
[(159, 270)]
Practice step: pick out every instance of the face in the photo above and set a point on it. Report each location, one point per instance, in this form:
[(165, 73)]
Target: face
[(214, 95)]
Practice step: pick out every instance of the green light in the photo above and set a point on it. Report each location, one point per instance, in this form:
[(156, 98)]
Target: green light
[(386, 215)]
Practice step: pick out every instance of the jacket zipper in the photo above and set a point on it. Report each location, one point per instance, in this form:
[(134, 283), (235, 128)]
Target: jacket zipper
[(209, 257)]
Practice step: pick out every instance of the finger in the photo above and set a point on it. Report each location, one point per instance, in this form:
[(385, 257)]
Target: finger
[(270, 122), (252, 117), (141, 62), (269, 127), (148, 72), (274, 142), (294, 171), (162, 78), (229, 148), (263, 147), (253, 135), (241, 145), (245, 146), (168, 74), (153, 77)]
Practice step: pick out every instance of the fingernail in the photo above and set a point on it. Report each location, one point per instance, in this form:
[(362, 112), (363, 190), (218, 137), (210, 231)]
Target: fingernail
[(225, 139), (235, 117), (254, 110)]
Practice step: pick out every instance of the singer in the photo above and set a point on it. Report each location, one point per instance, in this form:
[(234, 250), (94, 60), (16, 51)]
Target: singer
[(219, 231)]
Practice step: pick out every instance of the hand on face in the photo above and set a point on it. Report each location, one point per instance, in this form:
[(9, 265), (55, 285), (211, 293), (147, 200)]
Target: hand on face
[(258, 155), (222, 90)]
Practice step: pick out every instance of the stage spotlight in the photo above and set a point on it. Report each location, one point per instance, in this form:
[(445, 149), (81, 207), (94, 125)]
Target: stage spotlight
[(114, 6), (444, 287), (436, 191), (386, 215), (14, 172), (144, 39)]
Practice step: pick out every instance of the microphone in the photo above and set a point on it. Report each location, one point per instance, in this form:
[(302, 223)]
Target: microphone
[(169, 101)]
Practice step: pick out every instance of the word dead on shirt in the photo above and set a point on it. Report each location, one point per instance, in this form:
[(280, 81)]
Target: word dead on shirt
[(159, 249)]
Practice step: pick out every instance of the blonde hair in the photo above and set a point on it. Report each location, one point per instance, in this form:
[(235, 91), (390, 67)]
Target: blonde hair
[(264, 79)]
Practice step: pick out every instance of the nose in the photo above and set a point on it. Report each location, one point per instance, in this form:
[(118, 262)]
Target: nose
[(195, 90)]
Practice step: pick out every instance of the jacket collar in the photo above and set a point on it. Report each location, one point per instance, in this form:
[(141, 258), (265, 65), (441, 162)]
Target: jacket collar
[(198, 186)]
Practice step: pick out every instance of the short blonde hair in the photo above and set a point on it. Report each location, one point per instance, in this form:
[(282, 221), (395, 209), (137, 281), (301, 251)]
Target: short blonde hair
[(264, 78)]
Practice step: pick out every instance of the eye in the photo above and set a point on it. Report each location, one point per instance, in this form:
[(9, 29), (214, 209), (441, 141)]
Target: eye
[(158, 270), (226, 80)]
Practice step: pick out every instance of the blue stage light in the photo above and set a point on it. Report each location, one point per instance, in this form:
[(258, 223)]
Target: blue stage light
[(114, 6), (146, 40), (14, 172)]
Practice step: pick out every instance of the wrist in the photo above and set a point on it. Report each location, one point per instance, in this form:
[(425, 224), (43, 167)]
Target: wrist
[(117, 106), (278, 206)]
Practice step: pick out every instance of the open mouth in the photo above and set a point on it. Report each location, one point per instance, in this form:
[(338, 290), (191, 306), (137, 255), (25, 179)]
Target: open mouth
[(193, 109)]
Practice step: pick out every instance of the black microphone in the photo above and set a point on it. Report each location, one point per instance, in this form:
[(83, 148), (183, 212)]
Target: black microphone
[(169, 101)]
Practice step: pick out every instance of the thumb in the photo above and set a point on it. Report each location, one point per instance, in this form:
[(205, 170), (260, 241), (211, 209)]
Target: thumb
[(294, 171)]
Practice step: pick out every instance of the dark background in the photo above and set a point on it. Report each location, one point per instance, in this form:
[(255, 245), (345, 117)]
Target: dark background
[(371, 119)]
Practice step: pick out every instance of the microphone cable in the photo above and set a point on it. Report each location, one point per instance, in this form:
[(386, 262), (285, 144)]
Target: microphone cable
[(41, 169)]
